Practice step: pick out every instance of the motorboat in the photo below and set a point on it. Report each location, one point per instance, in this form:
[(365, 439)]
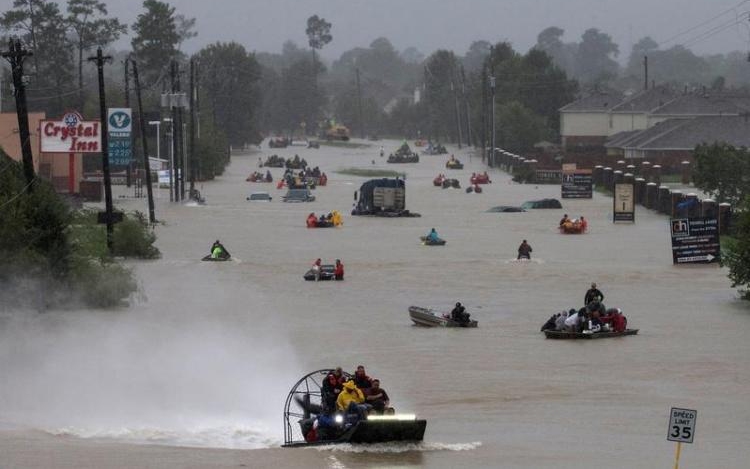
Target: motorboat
[(431, 318), (588, 335)]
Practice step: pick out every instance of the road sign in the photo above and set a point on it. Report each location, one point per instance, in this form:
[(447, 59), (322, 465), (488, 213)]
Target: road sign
[(694, 240), (681, 425)]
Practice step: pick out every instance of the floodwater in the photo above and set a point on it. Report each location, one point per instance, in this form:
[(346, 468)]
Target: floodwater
[(195, 372)]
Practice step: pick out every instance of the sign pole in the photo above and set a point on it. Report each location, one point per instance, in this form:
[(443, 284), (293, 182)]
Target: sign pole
[(71, 173), (677, 455)]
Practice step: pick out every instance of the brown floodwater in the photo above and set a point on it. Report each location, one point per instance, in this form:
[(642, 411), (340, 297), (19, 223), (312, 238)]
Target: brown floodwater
[(206, 353)]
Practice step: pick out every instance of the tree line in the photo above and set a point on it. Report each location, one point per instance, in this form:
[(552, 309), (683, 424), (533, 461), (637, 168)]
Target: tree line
[(375, 90)]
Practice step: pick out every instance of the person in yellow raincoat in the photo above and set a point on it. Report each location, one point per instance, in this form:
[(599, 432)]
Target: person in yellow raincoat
[(337, 219), (350, 395)]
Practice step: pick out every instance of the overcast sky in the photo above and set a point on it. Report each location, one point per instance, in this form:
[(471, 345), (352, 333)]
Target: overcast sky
[(263, 25)]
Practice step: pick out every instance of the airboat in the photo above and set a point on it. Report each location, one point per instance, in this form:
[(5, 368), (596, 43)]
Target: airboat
[(305, 403)]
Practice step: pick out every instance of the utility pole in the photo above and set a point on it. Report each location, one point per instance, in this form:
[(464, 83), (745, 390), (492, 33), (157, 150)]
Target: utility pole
[(100, 59), (129, 169), (180, 137), (192, 125), (483, 135), (492, 118), (645, 72), (175, 142), (466, 107), (359, 104), (15, 56), (144, 141)]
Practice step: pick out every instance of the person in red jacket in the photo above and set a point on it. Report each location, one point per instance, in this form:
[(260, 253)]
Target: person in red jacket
[(338, 272), (312, 221)]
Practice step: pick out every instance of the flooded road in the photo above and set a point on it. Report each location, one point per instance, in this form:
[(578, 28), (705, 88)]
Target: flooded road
[(208, 353)]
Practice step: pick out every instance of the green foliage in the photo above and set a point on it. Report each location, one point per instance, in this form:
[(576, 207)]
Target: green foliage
[(441, 82), (134, 237), (88, 21), (318, 32), (519, 128), (99, 283), (736, 254), (211, 150), (43, 29), (524, 174), (157, 34), (50, 256), (230, 76), (723, 172)]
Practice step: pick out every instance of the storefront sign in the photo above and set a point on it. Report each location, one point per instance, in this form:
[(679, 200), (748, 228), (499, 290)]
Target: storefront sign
[(71, 134)]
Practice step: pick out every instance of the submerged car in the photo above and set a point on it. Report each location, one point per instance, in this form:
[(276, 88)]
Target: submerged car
[(260, 197), (299, 195), (543, 203)]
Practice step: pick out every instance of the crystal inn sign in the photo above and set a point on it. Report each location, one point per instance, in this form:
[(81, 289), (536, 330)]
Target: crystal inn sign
[(71, 134)]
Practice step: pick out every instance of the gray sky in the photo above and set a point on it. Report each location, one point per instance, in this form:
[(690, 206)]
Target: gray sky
[(263, 25)]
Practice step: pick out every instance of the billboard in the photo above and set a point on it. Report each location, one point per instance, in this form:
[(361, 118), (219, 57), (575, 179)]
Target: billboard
[(577, 184), (694, 240), (71, 134), (624, 207), (119, 132)]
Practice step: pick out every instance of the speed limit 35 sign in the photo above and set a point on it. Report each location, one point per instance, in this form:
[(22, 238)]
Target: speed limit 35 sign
[(681, 425)]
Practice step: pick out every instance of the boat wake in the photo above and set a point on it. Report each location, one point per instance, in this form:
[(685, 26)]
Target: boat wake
[(399, 447), (222, 436), (524, 261)]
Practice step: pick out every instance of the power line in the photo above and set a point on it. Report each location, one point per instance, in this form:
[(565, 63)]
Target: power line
[(693, 28)]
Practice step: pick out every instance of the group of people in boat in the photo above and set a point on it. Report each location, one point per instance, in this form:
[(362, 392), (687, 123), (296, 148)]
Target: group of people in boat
[(304, 178), (351, 400), (575, 225), (338, 269), (332, 219), (257, 176), (483, 178), (592, 318)]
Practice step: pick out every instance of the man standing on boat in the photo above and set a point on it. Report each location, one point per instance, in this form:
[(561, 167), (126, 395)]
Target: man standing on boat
[(593, 294)]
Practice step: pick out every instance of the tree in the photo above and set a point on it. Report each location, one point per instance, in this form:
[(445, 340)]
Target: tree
[(87, 19), (519, 128), (158, 34), (439, 77), (229, 76), (411, 55), (644, 47), (41, 26), (594, 62), (476, 55), (736, 255), (723, 172), (318, 33)]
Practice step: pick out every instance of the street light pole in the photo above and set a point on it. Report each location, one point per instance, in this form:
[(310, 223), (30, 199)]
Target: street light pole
[(170, 134)]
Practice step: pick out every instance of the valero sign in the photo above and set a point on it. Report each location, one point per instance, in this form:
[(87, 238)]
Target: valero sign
[(71, 134)]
